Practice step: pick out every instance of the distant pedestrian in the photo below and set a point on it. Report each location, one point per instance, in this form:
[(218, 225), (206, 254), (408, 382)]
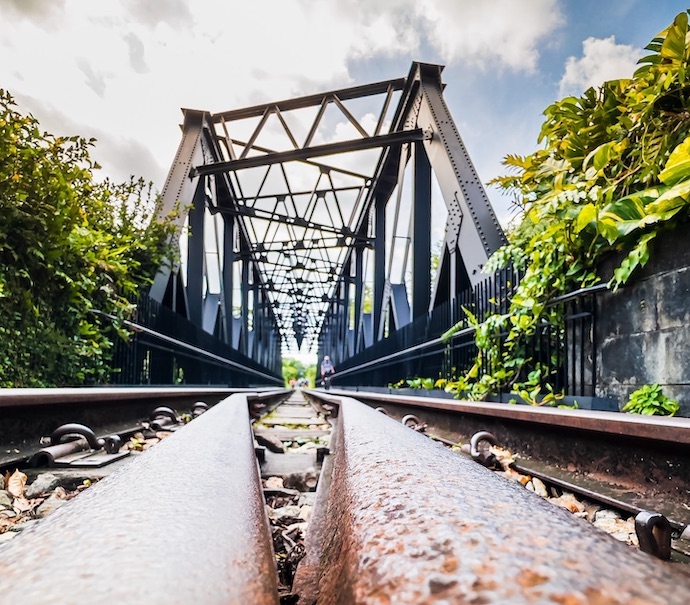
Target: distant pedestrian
[(327, 370), (292, 383)]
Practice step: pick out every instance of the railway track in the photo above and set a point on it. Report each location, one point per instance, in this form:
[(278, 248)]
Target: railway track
[(622, 463), (349, 505)]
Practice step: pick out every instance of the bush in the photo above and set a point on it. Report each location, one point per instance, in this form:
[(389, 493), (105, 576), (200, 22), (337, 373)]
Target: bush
[(68, 245)]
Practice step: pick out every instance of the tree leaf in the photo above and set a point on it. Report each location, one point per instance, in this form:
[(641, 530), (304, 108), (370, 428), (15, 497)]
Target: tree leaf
[(678, 166), (587, 214), (673, 46)]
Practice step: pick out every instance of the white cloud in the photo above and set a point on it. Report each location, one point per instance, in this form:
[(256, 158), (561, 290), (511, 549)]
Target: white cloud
[(35, 10), (125, 69), (602, 60), (499, 32)]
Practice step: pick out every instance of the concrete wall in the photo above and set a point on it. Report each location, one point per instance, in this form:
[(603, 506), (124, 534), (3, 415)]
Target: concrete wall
[(643, 330)]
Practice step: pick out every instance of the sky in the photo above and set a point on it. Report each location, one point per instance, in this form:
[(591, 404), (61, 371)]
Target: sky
[(121, 70)]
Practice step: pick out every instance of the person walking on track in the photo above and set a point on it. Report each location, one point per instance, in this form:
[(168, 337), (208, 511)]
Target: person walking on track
[(327, 370)]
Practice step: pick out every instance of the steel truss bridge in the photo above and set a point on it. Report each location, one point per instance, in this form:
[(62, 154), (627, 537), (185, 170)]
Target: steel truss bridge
[(351, 222)]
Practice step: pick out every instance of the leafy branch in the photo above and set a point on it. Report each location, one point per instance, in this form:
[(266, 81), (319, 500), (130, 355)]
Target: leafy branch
[(68, 244), (612, 176)]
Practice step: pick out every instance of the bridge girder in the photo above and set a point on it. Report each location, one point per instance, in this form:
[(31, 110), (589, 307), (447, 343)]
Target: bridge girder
[(294, 241)]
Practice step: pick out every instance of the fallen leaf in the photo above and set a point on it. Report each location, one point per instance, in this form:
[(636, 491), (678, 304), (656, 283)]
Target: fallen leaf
[(569, 502), (450, 565), (21, 505), (16, 483)]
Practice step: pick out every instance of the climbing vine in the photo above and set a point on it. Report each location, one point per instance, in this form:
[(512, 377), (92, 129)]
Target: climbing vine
[(612, 176)]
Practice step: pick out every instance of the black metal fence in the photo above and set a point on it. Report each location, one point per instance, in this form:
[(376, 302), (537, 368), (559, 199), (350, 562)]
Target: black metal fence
[(165, 348), (565, 350)]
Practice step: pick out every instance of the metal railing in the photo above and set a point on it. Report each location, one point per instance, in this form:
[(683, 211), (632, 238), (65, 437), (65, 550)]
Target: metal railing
[(566, 352), (165, 348)]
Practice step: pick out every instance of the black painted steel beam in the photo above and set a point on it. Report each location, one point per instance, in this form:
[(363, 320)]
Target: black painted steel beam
[(344, 94), (385, 140), (275, 217), (421, 235)]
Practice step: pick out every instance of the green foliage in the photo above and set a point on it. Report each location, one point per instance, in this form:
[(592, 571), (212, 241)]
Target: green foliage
[(294, 369), (68, 245), (650, 400), (419, 383), (613, 174), (310, 375)]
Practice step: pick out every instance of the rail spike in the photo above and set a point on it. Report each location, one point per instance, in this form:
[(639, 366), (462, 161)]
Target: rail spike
[(483, 455), (654, 534), (75, 429)]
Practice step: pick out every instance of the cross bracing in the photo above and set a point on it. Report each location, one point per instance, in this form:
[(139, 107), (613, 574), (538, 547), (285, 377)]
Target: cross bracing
[(309, 221)]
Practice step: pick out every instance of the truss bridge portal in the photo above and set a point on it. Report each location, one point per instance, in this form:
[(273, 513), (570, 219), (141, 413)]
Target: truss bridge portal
[(332, 222)]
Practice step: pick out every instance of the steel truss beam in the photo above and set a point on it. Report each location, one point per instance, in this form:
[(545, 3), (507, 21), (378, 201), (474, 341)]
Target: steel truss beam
[(344, 262), (312, 152), (472, 230)]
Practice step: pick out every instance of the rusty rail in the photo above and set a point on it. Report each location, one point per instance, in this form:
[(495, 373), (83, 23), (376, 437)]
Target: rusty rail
[(29, 414), (412, 522), (183, 523), (105, 395), (660, 428), (637, 462)]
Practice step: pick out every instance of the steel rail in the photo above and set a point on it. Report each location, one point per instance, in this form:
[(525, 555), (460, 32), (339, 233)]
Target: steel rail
[(666, 429), (72, 395), (628, 462), (182, 523), (415, 522), (28, 415)]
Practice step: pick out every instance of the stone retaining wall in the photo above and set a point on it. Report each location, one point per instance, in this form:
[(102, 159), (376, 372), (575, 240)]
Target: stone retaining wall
[(643, 330)]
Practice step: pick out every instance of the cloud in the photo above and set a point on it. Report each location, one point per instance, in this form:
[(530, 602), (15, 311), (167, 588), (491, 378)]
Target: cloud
[(136, 53), (499, 32), (121, 156), (602, 60), (126, 68), (126, 157), (176, 13), (94, 80)]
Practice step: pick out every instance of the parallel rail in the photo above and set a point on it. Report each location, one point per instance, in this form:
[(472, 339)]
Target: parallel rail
[(415, 522), (398, 518), (183, 523), (632, 462), (27, 415)]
